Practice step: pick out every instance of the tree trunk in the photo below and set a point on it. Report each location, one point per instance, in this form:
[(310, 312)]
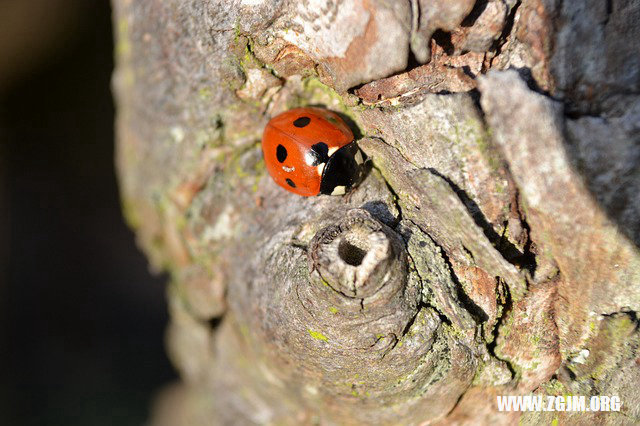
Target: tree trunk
[(491, 250)]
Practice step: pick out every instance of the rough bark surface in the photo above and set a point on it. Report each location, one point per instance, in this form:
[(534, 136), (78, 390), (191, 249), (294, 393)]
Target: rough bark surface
[(492, 248)]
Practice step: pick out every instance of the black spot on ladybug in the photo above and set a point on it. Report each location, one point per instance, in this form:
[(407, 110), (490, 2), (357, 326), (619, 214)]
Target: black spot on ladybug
[(302, 121), (318, 154), (281, 153), (290, 183)]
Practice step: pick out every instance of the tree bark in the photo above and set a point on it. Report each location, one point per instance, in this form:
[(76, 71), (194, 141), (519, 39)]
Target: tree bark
[(491, 250)]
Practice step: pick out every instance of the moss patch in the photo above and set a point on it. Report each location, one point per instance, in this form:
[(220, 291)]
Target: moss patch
[(317, 335)]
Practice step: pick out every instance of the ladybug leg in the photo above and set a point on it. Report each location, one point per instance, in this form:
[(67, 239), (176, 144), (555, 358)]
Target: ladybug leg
[(348, 196)]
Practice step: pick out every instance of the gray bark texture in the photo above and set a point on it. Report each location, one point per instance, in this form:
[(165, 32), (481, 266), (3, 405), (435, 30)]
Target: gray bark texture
[(491, 250)]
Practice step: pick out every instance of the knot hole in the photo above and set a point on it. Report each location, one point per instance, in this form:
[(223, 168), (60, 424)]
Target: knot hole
[(351, 252)]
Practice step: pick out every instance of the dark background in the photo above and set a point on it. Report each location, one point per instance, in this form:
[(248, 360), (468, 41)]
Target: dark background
[(81, 318)]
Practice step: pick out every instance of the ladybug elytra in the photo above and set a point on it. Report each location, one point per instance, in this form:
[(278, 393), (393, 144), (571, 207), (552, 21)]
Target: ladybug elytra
[(311, 151)]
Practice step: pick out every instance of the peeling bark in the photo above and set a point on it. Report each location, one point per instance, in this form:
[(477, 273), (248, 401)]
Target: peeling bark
[(492, 249)]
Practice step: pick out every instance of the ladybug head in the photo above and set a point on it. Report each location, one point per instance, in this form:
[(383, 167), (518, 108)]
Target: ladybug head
[(344, 170)]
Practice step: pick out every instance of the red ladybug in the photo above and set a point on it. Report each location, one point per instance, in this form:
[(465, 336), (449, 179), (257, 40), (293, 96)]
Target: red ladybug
[(311, 151)]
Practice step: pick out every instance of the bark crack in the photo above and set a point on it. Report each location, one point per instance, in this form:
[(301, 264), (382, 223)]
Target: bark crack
[(504, 35), (421, 280)]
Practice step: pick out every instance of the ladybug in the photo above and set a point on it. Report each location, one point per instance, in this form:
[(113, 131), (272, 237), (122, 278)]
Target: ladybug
[(311, 151)]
